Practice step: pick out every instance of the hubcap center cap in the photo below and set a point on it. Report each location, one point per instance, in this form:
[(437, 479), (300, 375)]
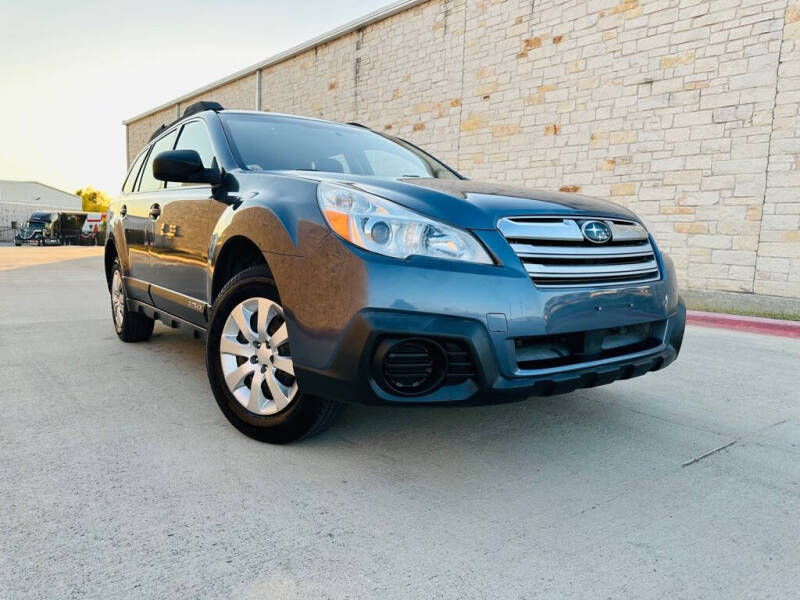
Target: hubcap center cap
[(264, 354)]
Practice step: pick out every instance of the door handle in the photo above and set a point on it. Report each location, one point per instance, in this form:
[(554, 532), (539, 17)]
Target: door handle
[(155, 211), (123, 210)]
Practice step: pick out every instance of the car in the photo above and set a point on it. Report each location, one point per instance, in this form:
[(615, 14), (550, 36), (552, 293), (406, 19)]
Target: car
[(325, 263)]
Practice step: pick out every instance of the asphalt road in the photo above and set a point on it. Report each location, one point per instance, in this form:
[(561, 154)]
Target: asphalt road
[(120, 478)]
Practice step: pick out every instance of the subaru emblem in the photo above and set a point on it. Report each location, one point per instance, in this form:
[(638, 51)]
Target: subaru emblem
[(596, 232)]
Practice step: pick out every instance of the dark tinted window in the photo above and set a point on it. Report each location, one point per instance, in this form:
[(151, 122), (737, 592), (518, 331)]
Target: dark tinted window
[(150, 183), (269, 143), (194, 136), (127, 187)]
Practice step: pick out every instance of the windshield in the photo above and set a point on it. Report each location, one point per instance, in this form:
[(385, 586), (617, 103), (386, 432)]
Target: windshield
[(268, 143), (34, 225)]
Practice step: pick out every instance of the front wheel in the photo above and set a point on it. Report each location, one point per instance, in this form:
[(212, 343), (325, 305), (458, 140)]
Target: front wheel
[(250, 366)]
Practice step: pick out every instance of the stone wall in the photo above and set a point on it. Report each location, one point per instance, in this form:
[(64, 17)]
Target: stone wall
[(686, 111)]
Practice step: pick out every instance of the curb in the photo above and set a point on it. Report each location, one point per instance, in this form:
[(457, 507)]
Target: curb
[(742, 323)]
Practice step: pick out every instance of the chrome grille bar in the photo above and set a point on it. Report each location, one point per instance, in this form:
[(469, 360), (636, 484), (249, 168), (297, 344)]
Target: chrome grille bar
[(555, 253), (534, 251), (573, 271)]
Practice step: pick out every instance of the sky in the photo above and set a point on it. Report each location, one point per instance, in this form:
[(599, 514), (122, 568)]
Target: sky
[(71, 71)]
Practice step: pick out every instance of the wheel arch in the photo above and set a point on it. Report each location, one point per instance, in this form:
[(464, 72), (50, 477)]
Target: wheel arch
[(236, 254), (110, 254)]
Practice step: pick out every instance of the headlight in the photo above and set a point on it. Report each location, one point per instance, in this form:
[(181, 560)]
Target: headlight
[(381, 226)]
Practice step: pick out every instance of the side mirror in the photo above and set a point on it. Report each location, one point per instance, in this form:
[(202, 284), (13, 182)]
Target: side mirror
[(183, 166)]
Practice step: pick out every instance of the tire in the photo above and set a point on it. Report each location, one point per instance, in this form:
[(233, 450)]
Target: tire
[(130, 326), (263, 401)]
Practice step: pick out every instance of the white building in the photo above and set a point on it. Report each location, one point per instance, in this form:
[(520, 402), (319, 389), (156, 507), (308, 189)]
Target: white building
[(18, 199)]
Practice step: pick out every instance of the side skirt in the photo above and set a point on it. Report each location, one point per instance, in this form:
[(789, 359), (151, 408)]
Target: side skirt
[(168, 319)]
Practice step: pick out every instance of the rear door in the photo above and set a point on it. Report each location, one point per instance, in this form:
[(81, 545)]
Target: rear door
[(134, 228), (179, 253)]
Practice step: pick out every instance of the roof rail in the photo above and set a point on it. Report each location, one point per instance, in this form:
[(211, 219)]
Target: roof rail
[(354, 124), (158, 132), (190, 110), (201, 106)]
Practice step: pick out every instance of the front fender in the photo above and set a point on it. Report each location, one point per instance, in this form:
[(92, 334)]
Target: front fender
[(278, 214)]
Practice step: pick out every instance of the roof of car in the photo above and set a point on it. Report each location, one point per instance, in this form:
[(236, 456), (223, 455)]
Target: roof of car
[(189, 114), (287, 116)]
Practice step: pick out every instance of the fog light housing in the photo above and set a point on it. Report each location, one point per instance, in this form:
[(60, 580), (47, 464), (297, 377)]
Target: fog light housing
[(410, 366)]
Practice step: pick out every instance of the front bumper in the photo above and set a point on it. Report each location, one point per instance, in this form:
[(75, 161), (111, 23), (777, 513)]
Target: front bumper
[(351, 376), (341, 302)]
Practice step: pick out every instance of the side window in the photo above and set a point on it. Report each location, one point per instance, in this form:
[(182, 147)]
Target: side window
[(194, 136), (150, 183), (127, 187)]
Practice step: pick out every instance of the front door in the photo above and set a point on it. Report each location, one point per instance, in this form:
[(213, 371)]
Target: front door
[(179, 252)]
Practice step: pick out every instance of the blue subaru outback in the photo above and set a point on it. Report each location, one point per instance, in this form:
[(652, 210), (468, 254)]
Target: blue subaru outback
[(325, 263)]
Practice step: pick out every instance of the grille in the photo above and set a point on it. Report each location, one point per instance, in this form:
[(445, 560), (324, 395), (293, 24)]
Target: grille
[(574, 348), (555, 253)]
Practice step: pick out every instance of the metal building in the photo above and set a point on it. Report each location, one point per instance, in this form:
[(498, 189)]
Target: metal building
[(18, 199)]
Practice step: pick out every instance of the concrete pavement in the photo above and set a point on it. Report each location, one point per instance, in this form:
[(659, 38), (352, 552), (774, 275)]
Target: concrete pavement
[(120, 478), (12, 257)]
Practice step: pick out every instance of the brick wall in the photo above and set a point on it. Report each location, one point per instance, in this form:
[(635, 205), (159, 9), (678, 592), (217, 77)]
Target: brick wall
[(683, 110)]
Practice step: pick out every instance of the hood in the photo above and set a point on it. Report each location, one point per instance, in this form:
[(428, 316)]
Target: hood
[(472, 204)]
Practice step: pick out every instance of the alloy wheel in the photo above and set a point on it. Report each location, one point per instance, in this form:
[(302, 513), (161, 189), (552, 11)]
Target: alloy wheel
[(117, 300)]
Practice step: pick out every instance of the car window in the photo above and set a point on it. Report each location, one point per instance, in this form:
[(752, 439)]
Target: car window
[(389, 162), (269, 143), (194, 136), (332, 164), (127, 187), (150, 183)]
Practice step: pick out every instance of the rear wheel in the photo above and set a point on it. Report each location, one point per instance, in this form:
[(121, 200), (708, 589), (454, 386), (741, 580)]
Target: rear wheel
[(130, 326), (250, 366)]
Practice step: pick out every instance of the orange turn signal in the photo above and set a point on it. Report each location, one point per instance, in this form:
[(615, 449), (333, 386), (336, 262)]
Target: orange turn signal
[(339, 223)]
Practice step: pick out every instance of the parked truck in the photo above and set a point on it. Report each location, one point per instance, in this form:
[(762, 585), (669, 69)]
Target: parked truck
[(51, 228)]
